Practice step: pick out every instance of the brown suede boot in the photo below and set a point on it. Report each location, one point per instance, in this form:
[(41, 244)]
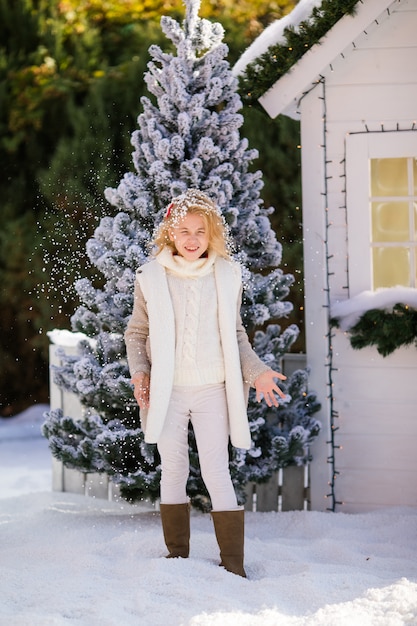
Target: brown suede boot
[(176, 528), (229, 529)]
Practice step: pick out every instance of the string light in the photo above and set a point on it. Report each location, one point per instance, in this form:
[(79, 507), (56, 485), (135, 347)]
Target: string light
[(331, 459)]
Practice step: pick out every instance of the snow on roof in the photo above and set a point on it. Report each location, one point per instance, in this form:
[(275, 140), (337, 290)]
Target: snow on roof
[(286, 93), (274, 33)]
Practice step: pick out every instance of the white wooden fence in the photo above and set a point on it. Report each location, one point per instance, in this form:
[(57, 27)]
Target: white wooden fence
[(287, 490)]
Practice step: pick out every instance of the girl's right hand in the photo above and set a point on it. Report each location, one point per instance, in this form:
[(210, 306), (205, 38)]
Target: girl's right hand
[(141, 381), (267, 388)]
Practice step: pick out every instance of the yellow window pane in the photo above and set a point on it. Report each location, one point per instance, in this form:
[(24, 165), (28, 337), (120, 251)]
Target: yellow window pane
[(415, 175), (389, 177), (415, 220), (390, 221), (391, 267)]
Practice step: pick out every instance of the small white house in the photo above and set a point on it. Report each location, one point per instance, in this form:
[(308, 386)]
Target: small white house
[(355, 94)]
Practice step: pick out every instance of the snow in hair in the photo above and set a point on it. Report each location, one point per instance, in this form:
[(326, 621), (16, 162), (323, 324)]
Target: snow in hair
[(191, 200), (195, 201)]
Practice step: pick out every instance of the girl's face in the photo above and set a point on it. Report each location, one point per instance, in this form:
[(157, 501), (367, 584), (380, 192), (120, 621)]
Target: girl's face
[(190, 237)]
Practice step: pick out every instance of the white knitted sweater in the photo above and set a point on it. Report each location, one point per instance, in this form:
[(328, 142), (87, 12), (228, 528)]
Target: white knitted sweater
[(198, 350), (160, 333)]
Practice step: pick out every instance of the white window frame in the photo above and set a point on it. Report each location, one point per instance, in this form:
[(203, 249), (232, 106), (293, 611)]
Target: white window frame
[(360, 148)]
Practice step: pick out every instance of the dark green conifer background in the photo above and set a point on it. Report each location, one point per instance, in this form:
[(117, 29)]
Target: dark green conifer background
[(71, 78)]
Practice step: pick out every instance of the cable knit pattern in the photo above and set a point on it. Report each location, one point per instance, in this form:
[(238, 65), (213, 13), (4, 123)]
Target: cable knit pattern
[(198, 354), (188, 353)]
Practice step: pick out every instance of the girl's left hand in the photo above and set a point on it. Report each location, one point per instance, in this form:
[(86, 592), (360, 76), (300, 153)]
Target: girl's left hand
[(140, 381), (265, 386)]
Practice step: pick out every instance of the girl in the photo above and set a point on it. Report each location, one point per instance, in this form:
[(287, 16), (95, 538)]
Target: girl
[(190, 360)]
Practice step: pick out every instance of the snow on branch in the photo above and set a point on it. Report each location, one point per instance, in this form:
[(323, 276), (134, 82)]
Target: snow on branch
[(348, 312)]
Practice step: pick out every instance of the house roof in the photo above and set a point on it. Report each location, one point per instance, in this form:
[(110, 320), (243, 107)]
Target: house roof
[(286, 93), (274, 33)]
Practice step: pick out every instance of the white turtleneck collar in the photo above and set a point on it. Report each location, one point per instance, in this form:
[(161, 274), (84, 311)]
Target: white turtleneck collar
[(179, 265)]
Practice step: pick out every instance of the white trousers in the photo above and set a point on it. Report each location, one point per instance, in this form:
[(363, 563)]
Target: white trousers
[(205, 406)]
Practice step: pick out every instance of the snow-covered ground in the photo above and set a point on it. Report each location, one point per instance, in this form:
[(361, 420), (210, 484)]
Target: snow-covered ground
[(70, 560)]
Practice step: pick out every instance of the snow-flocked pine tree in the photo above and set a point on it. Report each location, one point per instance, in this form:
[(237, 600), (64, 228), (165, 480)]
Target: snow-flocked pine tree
[(188, 136)]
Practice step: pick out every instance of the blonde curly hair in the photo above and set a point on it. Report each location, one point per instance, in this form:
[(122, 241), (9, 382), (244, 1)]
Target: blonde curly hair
[(198, 203)]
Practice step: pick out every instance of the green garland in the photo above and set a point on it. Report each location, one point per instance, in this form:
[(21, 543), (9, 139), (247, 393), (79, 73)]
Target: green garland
[(387, 330), (263, 72)]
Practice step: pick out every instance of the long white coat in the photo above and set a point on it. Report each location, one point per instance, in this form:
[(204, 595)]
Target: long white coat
[(153, 323)]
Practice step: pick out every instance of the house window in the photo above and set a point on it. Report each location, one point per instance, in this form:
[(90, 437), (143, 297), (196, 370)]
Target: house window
[(393, 206), (381, 200)]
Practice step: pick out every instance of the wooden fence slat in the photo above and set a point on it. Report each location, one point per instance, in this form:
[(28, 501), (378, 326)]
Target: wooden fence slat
[(267, 494), (292, 489), (97, 485), (74, 481)]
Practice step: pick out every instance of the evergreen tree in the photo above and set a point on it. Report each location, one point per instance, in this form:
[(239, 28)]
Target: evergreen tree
[(187, 136), (70, 78)]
